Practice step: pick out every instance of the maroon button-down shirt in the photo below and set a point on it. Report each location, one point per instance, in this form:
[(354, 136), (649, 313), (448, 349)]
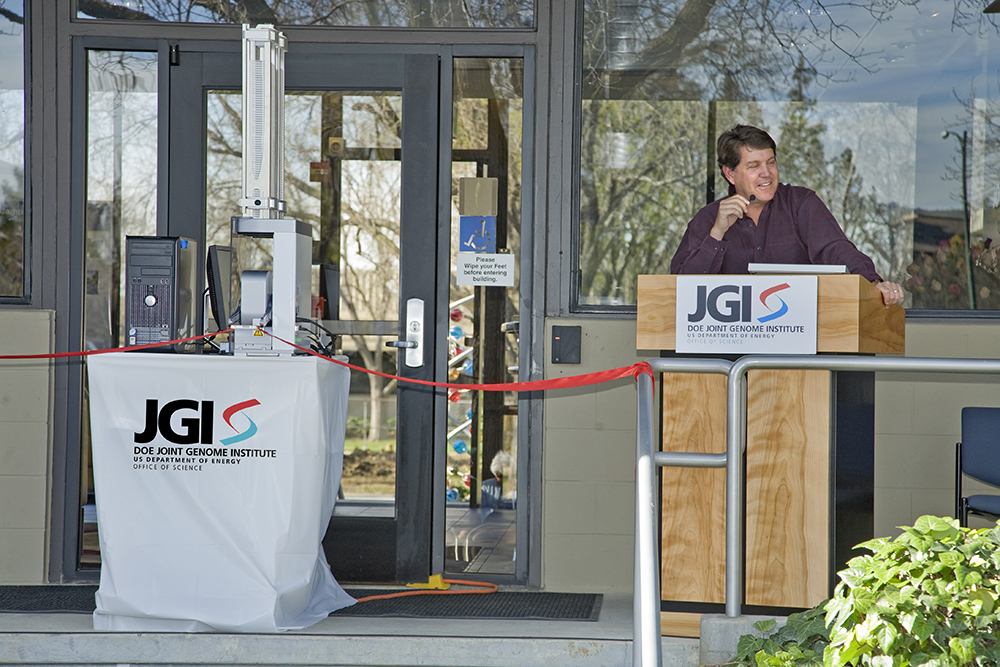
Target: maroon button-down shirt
[(795, 227)]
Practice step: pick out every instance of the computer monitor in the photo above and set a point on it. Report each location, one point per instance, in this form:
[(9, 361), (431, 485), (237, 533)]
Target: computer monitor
[(219, 269)]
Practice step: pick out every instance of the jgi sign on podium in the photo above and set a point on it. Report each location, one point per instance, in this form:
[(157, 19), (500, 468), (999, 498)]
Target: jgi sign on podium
[(746, 314)]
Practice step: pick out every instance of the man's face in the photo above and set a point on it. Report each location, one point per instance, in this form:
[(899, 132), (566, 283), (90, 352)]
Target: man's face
[(756, 174)]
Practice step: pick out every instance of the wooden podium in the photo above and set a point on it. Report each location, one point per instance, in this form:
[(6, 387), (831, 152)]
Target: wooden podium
[(809, 459)]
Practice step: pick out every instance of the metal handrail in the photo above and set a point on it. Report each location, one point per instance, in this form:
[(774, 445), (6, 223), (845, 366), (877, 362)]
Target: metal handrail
[(646, 648)]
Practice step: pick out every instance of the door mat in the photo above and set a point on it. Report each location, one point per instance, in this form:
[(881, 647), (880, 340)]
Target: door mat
[(501, 605), (47, 599), (508, 605)]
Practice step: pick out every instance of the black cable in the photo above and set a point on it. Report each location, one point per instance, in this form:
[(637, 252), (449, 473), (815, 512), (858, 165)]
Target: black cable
[(316, 324), (328, 349)]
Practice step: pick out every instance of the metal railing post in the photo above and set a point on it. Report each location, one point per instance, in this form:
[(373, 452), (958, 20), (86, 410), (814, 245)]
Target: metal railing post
[(646, 646), (736, 415), (646, 585)]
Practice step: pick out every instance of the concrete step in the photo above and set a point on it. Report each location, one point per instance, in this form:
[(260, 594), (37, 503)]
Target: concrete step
[(69, 639), (327, 651)]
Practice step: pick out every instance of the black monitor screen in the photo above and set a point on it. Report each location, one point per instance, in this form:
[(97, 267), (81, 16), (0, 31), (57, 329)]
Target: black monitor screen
[(219, 268)]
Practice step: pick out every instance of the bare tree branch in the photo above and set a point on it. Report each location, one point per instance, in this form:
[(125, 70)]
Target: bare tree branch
[(101, 9), (11, 16)]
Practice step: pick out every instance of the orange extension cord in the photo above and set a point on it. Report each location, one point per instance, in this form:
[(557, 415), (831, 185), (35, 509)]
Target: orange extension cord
[(486, 588)]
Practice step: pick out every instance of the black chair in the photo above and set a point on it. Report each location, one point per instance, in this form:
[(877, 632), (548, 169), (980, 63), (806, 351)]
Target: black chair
[(978, 456)]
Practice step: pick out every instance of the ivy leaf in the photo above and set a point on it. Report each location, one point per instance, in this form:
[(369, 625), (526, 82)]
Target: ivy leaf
[(970, 606), (852, 650), (951, 558), (862, 632), (876, 545), (886, 635), (966, 576), (765, 625), (853, 578), (921, 629), (963, 649), (864, 600), (747, 646), (937, 527), (921, 659), (988, 599)]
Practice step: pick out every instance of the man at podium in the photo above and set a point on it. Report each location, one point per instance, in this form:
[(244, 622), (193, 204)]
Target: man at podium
[(763, 220)]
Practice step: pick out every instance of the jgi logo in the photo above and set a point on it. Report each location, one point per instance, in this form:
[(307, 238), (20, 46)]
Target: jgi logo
[(193, 430), (735, 309)]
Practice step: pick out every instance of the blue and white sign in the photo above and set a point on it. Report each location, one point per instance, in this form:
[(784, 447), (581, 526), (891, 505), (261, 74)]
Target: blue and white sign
[(477, 233), (746, 314)]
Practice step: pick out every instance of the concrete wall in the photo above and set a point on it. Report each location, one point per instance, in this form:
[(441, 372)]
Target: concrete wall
[(588, 488), (918, 420), (25, 416), (589, 442)]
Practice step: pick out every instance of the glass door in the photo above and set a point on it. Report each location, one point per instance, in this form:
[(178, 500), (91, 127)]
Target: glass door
[(481, 518), (361, 169)]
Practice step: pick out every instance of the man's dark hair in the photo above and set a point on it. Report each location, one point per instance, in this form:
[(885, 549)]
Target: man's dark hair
[(730, 147)]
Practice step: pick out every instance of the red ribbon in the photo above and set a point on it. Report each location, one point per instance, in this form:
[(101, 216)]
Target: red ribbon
[(129, 348), (635, 370), (598, 377)]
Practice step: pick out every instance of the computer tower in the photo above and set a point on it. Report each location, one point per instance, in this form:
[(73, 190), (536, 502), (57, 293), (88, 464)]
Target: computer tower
[(161, 274)]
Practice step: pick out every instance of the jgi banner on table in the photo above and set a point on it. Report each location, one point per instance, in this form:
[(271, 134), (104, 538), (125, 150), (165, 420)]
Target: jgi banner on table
[(215, 480), (746, 314)]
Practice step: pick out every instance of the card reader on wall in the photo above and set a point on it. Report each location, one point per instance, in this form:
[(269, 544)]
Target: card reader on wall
[(565, 345)]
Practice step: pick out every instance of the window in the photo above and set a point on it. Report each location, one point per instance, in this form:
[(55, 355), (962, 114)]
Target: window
[(13, 260), (373, 13), (121, 201), (121, 181), (889, 111)]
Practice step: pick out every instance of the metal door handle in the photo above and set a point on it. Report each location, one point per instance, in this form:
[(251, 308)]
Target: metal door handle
[(413, 342)]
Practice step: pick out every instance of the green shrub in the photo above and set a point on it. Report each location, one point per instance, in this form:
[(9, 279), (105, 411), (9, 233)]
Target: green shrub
[(799, 642), (926, 598), (357, 427)]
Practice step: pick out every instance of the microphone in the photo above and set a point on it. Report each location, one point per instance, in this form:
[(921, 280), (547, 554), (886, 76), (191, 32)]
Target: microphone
[(752, 197)]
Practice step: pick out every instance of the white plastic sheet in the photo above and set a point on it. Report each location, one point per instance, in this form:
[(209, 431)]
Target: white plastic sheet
[(215, 479)]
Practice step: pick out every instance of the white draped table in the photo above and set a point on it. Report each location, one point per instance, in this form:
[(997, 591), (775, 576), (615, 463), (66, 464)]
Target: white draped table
[(215, 478)]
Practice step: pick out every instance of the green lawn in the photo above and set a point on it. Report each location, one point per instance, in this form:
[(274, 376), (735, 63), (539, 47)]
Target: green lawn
[(373, 445)]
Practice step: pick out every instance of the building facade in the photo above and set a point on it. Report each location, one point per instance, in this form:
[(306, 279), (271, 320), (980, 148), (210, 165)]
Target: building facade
[(597, 118)]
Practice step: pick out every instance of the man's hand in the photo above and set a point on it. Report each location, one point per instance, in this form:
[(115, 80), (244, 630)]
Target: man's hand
[(731, 209), (892, 293)]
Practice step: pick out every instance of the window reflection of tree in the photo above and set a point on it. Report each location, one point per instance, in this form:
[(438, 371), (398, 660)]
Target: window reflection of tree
[(938, 275), (640, 172), (121, 179), (12, 117), (367, 224), (387, 13)]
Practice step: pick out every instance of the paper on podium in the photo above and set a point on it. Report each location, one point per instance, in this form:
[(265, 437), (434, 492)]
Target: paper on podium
[(215, 480)]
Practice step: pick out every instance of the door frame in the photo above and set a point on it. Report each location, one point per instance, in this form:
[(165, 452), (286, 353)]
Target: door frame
[(416, 76), (426, 532)]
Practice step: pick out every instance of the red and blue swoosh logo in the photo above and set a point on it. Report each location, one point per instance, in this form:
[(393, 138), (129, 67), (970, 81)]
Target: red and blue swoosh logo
[(250, 430), (775, 313)]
